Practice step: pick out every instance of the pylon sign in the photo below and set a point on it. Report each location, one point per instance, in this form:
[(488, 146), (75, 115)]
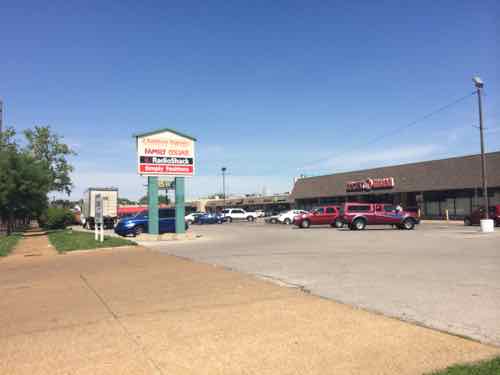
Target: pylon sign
[(165, 152)]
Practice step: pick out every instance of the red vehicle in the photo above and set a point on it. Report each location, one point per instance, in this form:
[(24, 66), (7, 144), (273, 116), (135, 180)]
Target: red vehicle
[(358, 215), (478, 214), (319, 216)]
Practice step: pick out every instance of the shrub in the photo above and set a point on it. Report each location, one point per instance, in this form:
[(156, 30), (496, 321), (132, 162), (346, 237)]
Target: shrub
[(56, 218)]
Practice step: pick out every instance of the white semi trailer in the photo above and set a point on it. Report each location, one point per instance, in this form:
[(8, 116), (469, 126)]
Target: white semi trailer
[(109, 207)]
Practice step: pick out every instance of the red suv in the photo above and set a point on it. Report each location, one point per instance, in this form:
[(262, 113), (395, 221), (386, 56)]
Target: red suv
[(319, 216), (476, 215), (358, 215)]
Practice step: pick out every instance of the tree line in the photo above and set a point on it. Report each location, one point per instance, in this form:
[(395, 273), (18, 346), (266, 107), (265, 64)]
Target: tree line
[(30, 168)]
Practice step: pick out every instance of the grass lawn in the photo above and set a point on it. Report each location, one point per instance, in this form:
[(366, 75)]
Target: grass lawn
[(7, 243), (491, 367), (68, 240)]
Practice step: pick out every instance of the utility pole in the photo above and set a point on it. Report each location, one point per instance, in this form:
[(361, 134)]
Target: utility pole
[(1, 116), (224, 169), (479, 86)]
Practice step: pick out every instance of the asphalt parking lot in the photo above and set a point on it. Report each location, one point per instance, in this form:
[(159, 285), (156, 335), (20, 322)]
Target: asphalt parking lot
[(442, 276)]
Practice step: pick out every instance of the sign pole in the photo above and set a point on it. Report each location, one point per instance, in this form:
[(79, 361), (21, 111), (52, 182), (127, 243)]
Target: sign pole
[(180, 226), (153, 205), (98, 217)]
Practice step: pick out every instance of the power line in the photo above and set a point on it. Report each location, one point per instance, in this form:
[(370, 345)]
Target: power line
[(402, 128)]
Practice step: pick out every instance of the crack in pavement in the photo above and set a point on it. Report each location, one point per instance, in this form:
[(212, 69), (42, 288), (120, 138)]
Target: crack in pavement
[(128, 334)]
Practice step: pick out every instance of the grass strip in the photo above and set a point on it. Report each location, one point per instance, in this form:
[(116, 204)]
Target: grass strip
[(489, 367), (7, 243), (68, 240)]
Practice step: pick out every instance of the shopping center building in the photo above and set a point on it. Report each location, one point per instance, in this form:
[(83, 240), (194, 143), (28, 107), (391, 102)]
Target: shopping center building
[(437, 188), (274, 203)]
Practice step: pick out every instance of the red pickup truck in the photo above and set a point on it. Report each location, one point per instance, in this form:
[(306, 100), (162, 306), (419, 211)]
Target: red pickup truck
[(478, 214), (319, 216), (358, 215)]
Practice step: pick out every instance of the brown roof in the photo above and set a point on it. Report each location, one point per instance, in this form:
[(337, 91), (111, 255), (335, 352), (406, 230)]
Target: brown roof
[(446, 174)]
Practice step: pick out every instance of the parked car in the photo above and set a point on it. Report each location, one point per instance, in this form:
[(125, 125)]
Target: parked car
[(260, 213), (358, 215), (193, 217), (138, 224), (319, 216), (232, 214), (287, 216), (210, 218), (475, 217), (272, 219)]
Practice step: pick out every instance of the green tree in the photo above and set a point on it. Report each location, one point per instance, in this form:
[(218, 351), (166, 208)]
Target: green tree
[(47, 146), (125, 201), (162, 199), (28, 174), (24, 184)]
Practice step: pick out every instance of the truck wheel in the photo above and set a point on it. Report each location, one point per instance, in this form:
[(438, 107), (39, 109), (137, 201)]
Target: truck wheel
[(359, 224), (274, 221), (138, 230), (408, 224), (287, 221), (250, 218), (467, 222), (305, 224), (338, 224)]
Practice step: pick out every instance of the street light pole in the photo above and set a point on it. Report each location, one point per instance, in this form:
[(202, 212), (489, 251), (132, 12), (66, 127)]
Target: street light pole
[(224, 169), (1, 116), (479, 86)]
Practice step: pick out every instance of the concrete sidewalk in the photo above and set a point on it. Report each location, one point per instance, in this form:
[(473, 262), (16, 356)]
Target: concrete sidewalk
[(34, 243), (134, 311)]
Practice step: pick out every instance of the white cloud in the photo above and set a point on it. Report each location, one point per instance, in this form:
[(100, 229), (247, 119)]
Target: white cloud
[(376, 157)]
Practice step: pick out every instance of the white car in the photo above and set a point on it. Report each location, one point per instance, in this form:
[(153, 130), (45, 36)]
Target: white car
[(260, 213), (287, 217), (191, 218), (238, 214)]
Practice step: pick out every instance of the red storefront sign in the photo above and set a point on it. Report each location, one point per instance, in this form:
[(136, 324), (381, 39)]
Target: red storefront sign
[(163, 168), (370, 184)]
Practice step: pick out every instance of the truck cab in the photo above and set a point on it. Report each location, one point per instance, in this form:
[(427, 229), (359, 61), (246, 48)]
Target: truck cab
[(475, 217)]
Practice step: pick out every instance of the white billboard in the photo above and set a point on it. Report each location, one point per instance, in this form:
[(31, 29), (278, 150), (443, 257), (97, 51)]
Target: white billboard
[(165, 153)]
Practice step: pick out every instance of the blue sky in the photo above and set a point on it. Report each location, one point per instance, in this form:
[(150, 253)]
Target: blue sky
[(271, 89)]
